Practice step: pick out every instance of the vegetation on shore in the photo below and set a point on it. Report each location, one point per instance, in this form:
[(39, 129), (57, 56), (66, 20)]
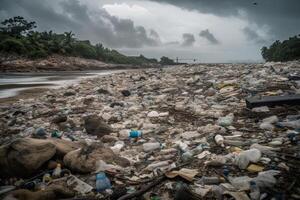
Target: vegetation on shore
[(283, 51), (18, 37)]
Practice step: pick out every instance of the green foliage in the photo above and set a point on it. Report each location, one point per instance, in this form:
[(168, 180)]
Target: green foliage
[(37, 53), (16, 26), (166, 61), (85, 50), (282, 51), (12, 45), (17, 36)]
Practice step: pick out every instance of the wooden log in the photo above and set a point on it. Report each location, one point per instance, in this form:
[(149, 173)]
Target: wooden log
[(272, 101)]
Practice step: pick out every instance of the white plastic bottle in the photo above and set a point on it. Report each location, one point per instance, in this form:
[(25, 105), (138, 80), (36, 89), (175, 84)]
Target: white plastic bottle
[(219, 139)]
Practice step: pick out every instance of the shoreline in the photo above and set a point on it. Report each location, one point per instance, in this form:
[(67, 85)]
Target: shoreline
[(57, 63)]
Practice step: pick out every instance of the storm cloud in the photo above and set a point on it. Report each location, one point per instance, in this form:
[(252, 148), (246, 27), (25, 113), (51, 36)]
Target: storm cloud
[(252, 35), (188, 40), (70, 15), (280, 16), (209, 36)]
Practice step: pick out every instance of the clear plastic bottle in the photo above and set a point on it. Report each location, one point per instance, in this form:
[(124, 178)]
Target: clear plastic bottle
[(151, 146), (57, 171), (102, 182), (254, 191)]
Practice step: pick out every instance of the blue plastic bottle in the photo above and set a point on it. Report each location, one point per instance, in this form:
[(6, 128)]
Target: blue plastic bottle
[(135, 134), (102, 182)]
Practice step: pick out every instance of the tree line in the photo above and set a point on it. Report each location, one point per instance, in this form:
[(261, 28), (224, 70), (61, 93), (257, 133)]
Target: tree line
[(18, 36), (282, 51)]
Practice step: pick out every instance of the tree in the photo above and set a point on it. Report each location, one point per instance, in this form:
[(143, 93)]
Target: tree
[(16, 26), (166, 61)]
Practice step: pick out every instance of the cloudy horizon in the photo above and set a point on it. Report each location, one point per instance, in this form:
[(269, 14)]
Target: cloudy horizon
[(206, 30)]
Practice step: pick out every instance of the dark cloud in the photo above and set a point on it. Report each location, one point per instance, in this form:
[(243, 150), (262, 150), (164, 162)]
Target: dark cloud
[(209, 36), (188, 40), (282, 16), (95, 25), (252, 35)]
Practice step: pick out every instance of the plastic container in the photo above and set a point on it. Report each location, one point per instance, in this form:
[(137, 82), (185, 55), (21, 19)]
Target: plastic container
[(102, 182), (151, 146), (219, 139), (135, 134), (57, 171)]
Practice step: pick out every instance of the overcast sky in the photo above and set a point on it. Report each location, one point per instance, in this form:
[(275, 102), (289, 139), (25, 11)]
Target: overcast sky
[(207, 30)]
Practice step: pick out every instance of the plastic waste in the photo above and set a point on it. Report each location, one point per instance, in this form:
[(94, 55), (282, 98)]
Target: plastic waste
[(40, 133), (153, 166), (57, 171), (78, 185), (255, 168), (270, 151), (290, 124), (125, 134), (266, 179), (47, 178), (151, 146), (56, 134), (187, 156), (117, 147), (209, 180), (219, 139), (241, 183), (102, 182), (226, 121), (254, 191), (245, 157)]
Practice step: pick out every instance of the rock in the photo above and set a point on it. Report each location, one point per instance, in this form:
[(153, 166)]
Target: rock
[(210, 92), (69, 93), (153, 114), (54, 192), (59, 118), (40, 133), (84, 160), (22, 157), (126, 93), (64, 146), (95, 125), (103, 91), (109, 139)]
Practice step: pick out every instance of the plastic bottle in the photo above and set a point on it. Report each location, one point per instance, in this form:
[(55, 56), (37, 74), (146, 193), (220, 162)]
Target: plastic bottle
[(254, 191), (130, 134), (219, 140), (151, 146), (57, 171), (102, 182)]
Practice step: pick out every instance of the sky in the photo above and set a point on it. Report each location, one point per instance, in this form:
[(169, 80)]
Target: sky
[(206, 30)]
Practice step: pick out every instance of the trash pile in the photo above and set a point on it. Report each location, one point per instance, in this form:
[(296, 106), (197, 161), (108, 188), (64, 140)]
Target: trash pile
[(182, 132)]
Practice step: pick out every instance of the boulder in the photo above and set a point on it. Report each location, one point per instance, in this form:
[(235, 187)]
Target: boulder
[(55, 192), (64, 146), (22, 157), (95, 125), (84, 160), (126, 93), (59, 118)]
